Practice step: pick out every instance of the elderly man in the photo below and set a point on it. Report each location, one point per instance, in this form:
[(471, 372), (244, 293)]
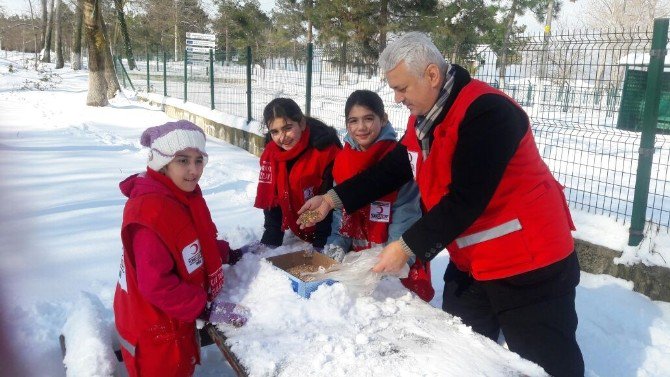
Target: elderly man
[(487, 197)]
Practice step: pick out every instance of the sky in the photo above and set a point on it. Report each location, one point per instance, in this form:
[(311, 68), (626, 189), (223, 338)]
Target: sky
[(61, 162)]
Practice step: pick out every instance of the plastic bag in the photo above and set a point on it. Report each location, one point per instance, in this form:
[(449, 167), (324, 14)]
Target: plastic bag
[(355, 271)]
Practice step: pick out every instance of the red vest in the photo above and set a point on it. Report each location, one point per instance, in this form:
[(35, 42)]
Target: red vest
[(371, 222), (525, 226), (305, 179), (134, 316)]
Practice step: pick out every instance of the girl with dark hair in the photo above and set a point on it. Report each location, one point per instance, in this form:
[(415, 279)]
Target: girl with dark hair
[(369, 138), (296, 165)]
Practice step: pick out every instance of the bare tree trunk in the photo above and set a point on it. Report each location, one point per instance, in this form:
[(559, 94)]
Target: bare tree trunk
[(76, 39), (227, 46), (46, 57), (44, 22), (124, 32), (176, 31), (310, 26), (545, 42), (343, 63), (509, 23), (113, 85), (32, 23), (176, 42), (383, 20), (455, 53), (59, 36), (97, 85)]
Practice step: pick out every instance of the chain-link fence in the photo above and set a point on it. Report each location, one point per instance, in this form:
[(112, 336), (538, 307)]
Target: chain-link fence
[(584, 92)]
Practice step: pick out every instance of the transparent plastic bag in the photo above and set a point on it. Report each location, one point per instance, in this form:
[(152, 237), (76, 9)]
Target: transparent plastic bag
[(355, 271)]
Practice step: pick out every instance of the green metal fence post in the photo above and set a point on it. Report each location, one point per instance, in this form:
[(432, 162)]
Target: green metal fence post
[(185, 75), (124, 74), (164, 73), (249, 84), (116, 59), (650, 119), (308, 79), (211, 79), (148, 73)]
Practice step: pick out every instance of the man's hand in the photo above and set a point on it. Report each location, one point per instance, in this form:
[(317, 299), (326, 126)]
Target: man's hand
[(391, 259), (317, 207)]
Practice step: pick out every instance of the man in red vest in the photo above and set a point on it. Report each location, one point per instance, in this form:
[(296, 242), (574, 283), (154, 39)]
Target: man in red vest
[(488, 198)]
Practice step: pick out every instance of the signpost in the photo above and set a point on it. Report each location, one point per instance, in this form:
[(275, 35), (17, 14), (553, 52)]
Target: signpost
[(199, 50), (206, 37), (198, 45)]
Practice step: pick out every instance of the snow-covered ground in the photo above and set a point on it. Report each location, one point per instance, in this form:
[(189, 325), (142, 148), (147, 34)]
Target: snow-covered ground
[(60, 163)]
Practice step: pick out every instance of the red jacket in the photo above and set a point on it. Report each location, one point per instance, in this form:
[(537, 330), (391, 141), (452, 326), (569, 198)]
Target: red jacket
[(525, 226), (304, 180), (152, 206)]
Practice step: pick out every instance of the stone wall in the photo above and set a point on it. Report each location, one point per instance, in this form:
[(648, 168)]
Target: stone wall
[(240, 138)]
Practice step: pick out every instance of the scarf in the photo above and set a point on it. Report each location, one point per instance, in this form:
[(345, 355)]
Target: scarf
[(425, 123), (347, 164), (205, 229), (273, 181)]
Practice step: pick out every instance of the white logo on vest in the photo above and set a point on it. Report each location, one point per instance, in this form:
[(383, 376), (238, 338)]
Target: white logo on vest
[(380, 211), (192, 256)]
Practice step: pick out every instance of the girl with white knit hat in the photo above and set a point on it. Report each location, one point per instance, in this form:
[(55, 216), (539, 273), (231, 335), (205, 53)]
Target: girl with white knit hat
[(172, 261)]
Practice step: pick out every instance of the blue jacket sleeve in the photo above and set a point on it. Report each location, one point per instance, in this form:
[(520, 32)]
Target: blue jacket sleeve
[(405, 211), (335, 237)]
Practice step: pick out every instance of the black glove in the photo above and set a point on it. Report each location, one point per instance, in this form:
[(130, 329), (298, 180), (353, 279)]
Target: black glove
[(254, 247)]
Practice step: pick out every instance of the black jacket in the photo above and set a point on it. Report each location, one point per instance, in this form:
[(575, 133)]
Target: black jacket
[(321, 136)]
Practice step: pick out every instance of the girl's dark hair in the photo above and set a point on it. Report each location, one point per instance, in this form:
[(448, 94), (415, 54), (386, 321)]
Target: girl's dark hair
[(365, 98), (285, 108)]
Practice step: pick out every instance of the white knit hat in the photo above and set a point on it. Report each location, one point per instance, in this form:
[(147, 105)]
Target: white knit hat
[(167, 139)]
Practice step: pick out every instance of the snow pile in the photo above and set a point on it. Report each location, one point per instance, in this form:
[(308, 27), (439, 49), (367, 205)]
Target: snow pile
[(88, 338), (338, 334)]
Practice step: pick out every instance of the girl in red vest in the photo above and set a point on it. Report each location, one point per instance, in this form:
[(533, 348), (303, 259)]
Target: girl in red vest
[(296, 165), (172, 261), (370, 137)]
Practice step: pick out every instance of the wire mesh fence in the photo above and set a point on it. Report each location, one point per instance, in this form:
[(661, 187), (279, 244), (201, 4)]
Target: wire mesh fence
[(583, 92), (572, 86)]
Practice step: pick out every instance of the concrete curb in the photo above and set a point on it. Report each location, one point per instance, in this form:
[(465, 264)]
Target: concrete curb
[(248, 141), (652, 281)]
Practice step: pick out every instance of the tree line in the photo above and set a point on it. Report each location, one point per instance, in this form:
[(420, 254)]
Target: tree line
[(347, 31), (351, 27)]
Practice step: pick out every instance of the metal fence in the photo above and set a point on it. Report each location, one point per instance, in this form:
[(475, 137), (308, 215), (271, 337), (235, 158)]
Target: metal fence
[(582, 91)]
